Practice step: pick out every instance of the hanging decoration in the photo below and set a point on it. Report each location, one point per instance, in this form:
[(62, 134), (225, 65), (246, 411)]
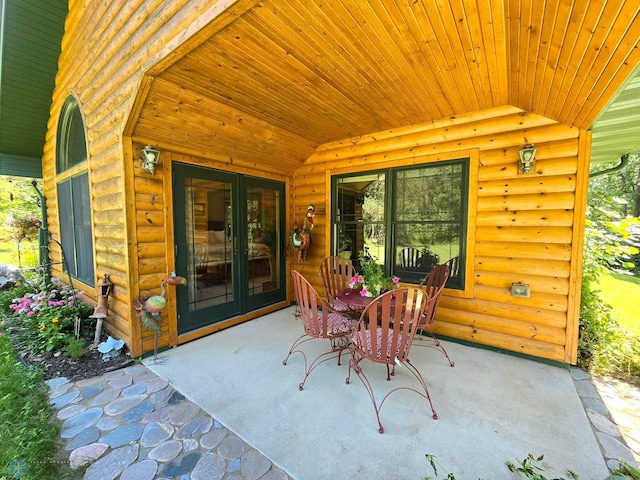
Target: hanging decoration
[(300, 238)]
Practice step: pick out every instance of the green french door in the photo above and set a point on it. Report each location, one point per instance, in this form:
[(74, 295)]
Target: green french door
[(229, 244)]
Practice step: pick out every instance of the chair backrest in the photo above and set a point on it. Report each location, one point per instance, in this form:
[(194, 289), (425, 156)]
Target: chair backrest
[(433, 283), (409, 257), (454, 266), (390, 322), (313, 310), (335, 274)]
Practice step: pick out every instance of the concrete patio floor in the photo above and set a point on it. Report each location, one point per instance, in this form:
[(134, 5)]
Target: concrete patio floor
[(492, 408)]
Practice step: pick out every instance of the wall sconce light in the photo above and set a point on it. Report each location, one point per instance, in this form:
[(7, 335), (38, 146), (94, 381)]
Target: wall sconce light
[(101, 311), (527, 158), (149, 157)]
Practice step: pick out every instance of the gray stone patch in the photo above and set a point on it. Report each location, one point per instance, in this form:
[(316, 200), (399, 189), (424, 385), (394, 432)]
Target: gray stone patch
[(145, 378), (254, 465), (113, 464), (64, 400), (176, 398), (74, 425), (135, 389), (122, 435), (70, 411), (108, 423), (275, 474), (231, 447), (183, 413), (56, 382), (213, 438), (209, 467), (156, 384), (144, 470), (189, 444), (586, 389), (234, 466), (105, 397), (614, 448), (156, 433), (194, 428), (159, 416), (596, 405), (121, 382), (121, 405), (166, 451), (136, 369), (85, 437), (181, 466), (92, 391), (138, 412), (87, 454), (161, 395), (62, 389), (603, 424)]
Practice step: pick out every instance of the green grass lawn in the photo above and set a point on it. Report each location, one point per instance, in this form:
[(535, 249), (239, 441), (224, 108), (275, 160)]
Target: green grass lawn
[(623, 294)]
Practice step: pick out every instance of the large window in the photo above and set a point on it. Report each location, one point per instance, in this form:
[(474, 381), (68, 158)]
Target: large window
[(410, 219), (74, 200)]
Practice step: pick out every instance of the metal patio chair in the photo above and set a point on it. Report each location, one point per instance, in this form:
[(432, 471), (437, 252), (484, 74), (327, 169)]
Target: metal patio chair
[(335, 274), (320, 321), (433, 283), (384, 334)]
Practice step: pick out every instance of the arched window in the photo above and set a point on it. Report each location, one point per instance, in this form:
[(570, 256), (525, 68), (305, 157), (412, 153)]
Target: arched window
[(72, 143), (74, 199)]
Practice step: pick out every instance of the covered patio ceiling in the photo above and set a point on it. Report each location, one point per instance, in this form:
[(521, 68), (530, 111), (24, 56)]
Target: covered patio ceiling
[(288, 76)]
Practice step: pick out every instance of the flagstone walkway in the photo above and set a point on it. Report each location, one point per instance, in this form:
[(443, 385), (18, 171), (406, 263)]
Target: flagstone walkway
[(132, 425)]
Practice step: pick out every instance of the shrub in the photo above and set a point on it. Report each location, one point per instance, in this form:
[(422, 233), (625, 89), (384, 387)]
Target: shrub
[(46, 316), (603, 346)]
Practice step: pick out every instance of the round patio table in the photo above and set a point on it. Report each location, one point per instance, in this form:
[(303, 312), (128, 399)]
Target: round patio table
[(352, 298)]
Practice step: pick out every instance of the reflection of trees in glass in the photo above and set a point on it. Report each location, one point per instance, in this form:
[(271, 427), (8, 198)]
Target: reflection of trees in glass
[(373, 210)]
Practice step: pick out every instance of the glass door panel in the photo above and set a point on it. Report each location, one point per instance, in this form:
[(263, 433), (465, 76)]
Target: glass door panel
[(229, 244), (264, 201)]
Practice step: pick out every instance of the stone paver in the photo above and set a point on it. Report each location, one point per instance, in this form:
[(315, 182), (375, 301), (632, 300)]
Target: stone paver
[(132, 425)]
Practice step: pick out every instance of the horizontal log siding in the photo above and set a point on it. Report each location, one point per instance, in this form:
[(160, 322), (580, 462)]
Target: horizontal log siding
[(105, 52), (523, 224)]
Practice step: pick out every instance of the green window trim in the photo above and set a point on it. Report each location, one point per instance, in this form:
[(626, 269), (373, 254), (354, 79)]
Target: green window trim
[(410, 218)]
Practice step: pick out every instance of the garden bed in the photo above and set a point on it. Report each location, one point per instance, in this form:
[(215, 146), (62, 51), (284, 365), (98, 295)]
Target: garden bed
[(91, 364)]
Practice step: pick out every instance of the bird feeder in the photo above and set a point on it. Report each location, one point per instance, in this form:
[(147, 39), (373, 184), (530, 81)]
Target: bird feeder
[(101, 311)]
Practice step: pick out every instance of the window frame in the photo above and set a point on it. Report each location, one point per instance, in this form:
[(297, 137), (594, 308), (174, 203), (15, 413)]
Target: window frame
[(73, 178), (467, 250)]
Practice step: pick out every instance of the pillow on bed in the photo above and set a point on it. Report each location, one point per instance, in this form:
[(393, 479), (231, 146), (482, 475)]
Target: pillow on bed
[(220, 236), (212, 238)]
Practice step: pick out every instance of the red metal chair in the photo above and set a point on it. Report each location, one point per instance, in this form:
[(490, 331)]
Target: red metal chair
[(433, 283), (320, 321), (335, 274), (385, 332)]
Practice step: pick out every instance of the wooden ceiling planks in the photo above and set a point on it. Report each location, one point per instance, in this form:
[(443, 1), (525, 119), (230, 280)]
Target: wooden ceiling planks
[(325, 71)]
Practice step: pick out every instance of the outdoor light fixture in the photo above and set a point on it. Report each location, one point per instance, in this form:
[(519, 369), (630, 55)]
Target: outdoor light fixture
[(149, 157), (527, 158)]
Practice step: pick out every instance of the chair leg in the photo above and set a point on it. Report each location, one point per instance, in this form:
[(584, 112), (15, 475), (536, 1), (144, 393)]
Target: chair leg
[(434, 343), (354, 364), (337, 345)]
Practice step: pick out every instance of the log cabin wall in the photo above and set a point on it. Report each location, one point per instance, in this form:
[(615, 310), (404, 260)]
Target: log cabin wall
[(106, 50), (522, 227), (256, 86)]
